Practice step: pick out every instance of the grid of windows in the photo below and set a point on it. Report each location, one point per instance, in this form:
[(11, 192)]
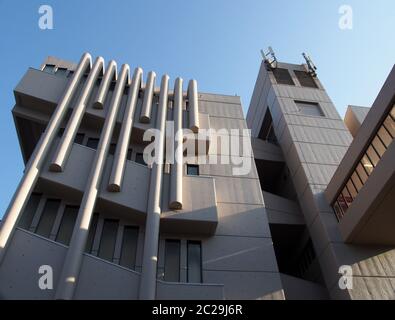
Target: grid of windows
[(305, 79), (370, 159), (283, 77)]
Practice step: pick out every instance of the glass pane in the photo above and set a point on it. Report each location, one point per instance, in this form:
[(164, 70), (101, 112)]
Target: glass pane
[(61, 72), (309, 108), (48, 218), (129, 247), (351, 189), (29, 212), (342, 204), (362, 173), (390, 125), (378, 146), (368, 166), (49, 68), (79, 138), (374, 158), (384, 136), (140, 158), (194, 262), (108, 239), (92, 143), (347, 197), (92, 233), (192, 170), (172, 260), (356, 181), (67, 225)]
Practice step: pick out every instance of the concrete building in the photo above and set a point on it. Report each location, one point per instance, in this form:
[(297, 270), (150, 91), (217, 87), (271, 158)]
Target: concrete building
[(111, 226)]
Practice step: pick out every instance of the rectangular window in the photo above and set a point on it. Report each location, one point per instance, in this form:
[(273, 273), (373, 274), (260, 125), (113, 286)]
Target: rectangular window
[(305, 79), (92, 232), (47, 218), (108, 239), (140, 159), (367, 164), (194, 260), (61, 72), (192, 170), (67, 225), (172, 260), (129, 247), (283, 77), (129, 154), (372, 154), (356, 181), (92, 143), (384, 136), (49, 68), (378, 146), (362, 173), (351, 189), (309, 108), (389, 124), (267, 131), (79, 138), (346, 196), (29, 211)]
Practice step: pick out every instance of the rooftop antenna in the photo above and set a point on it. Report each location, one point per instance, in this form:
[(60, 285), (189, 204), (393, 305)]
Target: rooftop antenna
[(310, 65), (269, 58)]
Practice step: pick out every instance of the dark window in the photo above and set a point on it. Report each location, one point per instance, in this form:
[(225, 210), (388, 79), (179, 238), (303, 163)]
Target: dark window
[(282, 76), (129, 154), (305, 79), (309, 108), (108, 239), (140, 159), (172, 260), (70, 74), (267, 131), (47, 218), (61, 72), (49, 68), (113, 146), (129, 247), (67, 225), (29, 211), (92, 232), (79, 138), (192, 170), (92, 143), (194, 259), (60, 132)]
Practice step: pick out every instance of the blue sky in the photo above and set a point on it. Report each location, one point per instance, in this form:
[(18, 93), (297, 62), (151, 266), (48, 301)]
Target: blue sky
[(216, 42)]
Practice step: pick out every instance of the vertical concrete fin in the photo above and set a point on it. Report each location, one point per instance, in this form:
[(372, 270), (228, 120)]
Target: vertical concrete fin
[(121, 151), (72, 263), (34, 166), (63, 150), (108, 77), (151, 237), (193, 106), (145, 116), (176, 168)]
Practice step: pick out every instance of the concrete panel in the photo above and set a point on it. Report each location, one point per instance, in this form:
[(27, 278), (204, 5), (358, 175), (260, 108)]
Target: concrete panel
[(238, 190)]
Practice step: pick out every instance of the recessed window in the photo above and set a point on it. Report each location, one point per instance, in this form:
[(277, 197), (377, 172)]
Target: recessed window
[(67, 225), (129, 154), (113, 146), (194, 261), (47, 218), (92, 143), (267, 131), (129, 247), (49, 68), (172, 260), (192, 170), (92, 233), (79, 138), (283, 77), (29, 212), (140, 159), (309, 108), (305, 79), (108, 239), (61, 72)]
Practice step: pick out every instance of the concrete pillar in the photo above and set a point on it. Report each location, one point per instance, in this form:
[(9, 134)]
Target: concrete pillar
[(193, 106), (110, 75), (34, 166), (151, 237), (66, 142), (72, 262), (145, 116), (177, 168), (121, 150)]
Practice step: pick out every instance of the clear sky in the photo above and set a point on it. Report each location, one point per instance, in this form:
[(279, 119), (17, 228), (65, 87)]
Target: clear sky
[(216, 42)]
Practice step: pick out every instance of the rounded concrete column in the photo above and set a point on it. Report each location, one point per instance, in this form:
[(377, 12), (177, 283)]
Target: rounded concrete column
[(193, 106), (72, 262), (151, 237), (66, 142), (121, 150), (110, 75), (176, 172), (145, 116), (34, 166)]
